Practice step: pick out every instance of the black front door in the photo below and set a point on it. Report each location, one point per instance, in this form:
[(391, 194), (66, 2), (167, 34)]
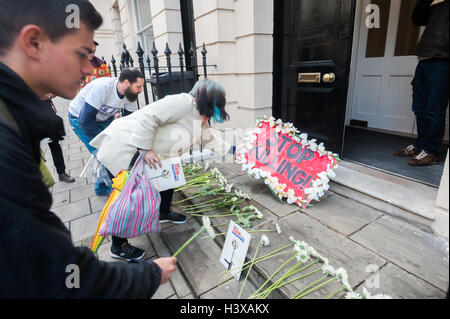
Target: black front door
[(312, 51)]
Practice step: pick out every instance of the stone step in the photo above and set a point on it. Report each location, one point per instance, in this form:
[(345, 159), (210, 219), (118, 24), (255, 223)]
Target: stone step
[(397, 195)]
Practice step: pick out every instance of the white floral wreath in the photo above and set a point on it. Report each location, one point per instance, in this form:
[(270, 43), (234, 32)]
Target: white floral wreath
[(318, 186)]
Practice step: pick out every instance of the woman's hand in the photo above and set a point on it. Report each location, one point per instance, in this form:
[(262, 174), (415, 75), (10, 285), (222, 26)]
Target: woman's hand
[(151, 158)]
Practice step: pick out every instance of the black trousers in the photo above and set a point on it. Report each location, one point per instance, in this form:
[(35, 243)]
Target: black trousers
[(166, 200), (57, 155)]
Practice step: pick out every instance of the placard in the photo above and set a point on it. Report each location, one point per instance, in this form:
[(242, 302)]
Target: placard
[(291, 165), (235, 249), (169, 176)]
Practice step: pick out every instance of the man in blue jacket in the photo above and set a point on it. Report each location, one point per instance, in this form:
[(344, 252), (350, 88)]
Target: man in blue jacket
[(39, 53)]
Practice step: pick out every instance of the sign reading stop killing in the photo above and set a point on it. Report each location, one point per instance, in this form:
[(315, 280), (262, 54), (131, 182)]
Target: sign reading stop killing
[(290, 164)]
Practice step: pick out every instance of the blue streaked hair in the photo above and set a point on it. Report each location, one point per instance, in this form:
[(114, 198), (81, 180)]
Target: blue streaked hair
[(211, 100)]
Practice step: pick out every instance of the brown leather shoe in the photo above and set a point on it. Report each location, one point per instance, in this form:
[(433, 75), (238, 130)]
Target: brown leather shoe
[(410, 150), (423, 159), (65, 178)]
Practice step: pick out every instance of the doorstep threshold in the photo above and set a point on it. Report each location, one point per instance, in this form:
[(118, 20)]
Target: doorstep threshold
[(395, 190)]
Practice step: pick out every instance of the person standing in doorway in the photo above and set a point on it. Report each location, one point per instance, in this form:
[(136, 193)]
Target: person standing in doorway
[(430, 83)]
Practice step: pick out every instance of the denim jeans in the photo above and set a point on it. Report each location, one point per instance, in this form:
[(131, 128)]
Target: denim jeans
[(100, 188), (430, 101)]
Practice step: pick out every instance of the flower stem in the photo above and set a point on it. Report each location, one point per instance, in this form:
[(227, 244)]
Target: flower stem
[(315, 288), (334, 293), (292, 280), (188, 241), (290, 273), (276, 271), (250, 269)]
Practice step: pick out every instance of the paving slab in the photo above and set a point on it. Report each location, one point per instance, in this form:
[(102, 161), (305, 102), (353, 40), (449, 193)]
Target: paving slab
[(84, 227), (340, 251), (230, 290), (260, 193), (399, 284), (60, 199), (199, 260), (412, 249), (342, 214), (61, 186), (73, 211), (97, 202), (80, 193), (179, 283)]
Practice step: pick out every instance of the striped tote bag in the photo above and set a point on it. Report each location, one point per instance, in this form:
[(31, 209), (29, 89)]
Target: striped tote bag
[(135, 212)]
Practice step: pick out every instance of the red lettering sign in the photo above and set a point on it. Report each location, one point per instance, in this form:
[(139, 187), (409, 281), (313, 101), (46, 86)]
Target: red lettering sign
[(292, 166)]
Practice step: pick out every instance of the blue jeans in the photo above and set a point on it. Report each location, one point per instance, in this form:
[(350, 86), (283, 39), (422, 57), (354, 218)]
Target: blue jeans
[(430, 101), (100, 188)]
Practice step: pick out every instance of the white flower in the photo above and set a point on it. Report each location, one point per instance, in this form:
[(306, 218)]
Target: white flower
[(241, 194), (291, 198), (328, 269), (278, 228), (234, 199), (228, 188), (352, 295), (304, 136), (265, 240), (206, 167), (259, 215), (312, 251), (322, 259), (330, 172), (346, 285), (302, 255), (300, 246), (208, 227), (341, 275)]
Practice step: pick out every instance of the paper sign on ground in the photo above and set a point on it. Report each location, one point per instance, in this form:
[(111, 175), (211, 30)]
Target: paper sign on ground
[(235, 249), (170, 175)]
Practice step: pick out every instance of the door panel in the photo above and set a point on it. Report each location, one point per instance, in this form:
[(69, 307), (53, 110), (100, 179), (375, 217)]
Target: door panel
[(387, 104), (313, 36)]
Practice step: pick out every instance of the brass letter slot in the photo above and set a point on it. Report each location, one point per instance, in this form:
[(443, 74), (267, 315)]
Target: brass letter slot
[(309, 78)]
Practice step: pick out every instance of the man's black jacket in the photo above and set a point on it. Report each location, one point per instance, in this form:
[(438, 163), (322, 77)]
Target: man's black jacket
[(434, 41), (37, 257)]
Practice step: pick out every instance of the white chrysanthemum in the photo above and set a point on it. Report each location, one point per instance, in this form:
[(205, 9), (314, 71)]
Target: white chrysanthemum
[(241, 194), (302, 255), (277, 227), (312, 251), (352, 295), (323, 259), (328, 269), (265, 240), (330, 172), (346, 285), (228, 188), (341, 275), (206, 166), (234, 199), (208, 227)]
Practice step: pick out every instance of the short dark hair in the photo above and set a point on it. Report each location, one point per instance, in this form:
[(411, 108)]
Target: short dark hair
[(130, 74), (50, 15)]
